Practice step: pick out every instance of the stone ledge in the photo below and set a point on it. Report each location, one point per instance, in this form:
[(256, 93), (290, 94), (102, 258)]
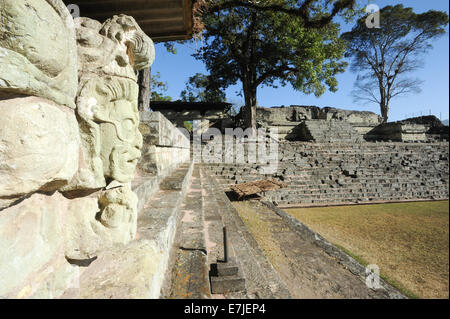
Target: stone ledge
[(137, 270), (161, 132)]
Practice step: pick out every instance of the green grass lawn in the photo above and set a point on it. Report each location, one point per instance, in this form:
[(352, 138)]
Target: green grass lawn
[(408, 241)]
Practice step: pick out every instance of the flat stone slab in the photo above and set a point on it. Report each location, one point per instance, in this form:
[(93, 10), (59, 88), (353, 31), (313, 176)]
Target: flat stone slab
[(227, 284), (190, 276), (229, 268)]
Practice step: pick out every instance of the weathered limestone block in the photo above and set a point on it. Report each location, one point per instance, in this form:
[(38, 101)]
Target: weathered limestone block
[(165, 146), (398, 131), (39, 139), (31, 243), (38, 50), (354, 117), (293, 113), (160, 131), (160, 161), (39, 146)]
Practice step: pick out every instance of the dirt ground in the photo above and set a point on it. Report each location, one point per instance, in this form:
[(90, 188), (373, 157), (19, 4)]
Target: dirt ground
[(408, 241), (307, 270)]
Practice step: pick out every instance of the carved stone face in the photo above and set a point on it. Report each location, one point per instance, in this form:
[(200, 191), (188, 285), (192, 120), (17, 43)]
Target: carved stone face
[(109, 56), (121, 140)]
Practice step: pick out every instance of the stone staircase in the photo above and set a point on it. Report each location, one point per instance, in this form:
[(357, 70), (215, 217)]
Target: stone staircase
[(323, 131), (338, 173), (261, 279), (138, 269), (199, 247)]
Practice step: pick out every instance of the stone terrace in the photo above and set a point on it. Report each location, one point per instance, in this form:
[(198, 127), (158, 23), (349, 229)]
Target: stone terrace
[(339, 173)]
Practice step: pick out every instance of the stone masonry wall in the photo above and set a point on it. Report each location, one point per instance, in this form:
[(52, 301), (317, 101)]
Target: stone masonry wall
[(333, 173)]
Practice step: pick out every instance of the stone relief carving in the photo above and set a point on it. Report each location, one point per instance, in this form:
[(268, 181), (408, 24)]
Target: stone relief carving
[(69, 120), (109, 56)]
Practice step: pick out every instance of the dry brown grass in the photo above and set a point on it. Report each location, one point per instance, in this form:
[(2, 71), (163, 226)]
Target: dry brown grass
[(408, 241), (260, 230)]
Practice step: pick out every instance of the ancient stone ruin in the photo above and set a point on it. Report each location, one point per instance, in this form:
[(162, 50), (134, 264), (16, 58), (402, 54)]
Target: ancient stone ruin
[(69, 140), (100, 200)]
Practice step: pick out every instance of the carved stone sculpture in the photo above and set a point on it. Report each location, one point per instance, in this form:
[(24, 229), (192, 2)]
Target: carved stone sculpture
[(109, 56), (69, 140)]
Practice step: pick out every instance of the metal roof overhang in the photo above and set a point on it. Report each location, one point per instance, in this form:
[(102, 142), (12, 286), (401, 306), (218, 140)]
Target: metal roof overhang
[(161, 20)]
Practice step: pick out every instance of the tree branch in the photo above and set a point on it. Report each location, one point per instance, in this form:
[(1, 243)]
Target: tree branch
[(301, 12)]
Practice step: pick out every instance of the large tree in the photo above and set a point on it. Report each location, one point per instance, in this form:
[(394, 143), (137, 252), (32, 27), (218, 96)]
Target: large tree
[(385, 56), (269, 47), (158, 88), (201, 88)]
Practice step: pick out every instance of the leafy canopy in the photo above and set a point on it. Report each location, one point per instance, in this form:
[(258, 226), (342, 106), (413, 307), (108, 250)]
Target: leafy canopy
[(259, 47), (201, 88), (158, 88)]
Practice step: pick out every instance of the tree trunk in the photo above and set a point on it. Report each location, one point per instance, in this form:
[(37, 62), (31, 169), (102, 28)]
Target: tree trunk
[(250, 106), (144, 90), (384, 108)]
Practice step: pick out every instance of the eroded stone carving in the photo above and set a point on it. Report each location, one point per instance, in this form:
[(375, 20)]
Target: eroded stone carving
[(109, 56), (39, 147), (38, 51), (69, 139)]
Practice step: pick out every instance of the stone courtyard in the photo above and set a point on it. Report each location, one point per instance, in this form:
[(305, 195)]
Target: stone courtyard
[(101, 199)]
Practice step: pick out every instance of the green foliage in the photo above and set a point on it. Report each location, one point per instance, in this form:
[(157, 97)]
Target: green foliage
[(258, 47), (384, 56), (304, 9), (188, 125), (170, 45), (158, 88), (202, 88)]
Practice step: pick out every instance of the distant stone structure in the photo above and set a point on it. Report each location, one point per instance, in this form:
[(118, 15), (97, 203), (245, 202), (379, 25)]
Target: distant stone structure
[(94, 193), (347, 173), (207, 113), (311, 123), (416, 129)]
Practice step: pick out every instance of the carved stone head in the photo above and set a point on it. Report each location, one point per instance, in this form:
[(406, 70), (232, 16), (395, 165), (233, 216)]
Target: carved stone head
[(109, 56)]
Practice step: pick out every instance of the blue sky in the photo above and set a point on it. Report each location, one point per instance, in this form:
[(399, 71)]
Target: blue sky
[(176, 70)]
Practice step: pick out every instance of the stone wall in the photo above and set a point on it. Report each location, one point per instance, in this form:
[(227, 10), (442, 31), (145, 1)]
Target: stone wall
[(417, 129), (336, 173), (70, 142), (165, 146), (289, 121)]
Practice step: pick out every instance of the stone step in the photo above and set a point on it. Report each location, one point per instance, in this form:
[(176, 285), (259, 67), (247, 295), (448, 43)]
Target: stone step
[(137, 270), (188, 277), (227, 284), (224, 274), (261, 279)]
